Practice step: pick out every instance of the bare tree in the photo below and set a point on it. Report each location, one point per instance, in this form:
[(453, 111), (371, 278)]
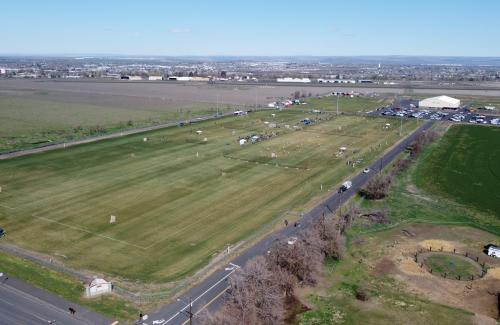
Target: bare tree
[(302, 259), (256, 296), (377, 188)]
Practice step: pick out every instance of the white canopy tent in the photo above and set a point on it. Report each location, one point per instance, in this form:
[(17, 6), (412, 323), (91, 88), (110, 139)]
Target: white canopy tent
[(439, 102)]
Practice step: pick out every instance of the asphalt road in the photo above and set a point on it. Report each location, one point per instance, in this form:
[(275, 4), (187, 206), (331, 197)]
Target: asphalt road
[(209, 292), (23, 304)]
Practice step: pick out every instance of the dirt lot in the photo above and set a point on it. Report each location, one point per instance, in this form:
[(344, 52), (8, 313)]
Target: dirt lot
[(132, 94), (395, 258)]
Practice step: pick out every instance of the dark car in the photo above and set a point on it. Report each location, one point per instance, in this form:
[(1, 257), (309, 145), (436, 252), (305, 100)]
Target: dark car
[(2, 232)]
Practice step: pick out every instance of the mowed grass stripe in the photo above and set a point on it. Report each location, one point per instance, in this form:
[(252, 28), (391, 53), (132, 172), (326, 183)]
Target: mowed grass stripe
[(180, 207)]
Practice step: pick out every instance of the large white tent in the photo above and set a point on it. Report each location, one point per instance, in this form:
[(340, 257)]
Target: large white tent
[(439, 102)]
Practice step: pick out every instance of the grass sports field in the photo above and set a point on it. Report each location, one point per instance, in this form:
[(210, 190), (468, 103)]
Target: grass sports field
[(465, 167), (178, 199)]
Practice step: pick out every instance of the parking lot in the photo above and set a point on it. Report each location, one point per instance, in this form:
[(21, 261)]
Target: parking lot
[(461, 115)]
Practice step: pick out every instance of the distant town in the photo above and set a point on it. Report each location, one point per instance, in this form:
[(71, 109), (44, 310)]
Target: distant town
[(378, 70)]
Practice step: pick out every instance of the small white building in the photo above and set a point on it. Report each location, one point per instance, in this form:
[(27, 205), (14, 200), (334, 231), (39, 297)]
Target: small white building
[(439, 102), (337, 81), (494, 251), (295, 80), (155, 78), (98, 287)]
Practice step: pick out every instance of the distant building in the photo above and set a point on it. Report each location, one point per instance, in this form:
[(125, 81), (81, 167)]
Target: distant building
[(440, 102), (200, 79), (155, 78), (180, 78), (337, 81), (131, 78), (297, 80), (112, 76)]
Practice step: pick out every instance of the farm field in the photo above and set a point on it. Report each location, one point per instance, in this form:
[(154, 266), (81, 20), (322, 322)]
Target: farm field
[(35, 113), (178, 200), (465, 167)]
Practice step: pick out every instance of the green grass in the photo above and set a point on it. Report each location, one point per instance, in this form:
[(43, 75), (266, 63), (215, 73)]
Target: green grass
[(465, 168), (453, 266), (178, 200), (26, 123), (360, 104), (65, 287), (407, 203), (404, 205)]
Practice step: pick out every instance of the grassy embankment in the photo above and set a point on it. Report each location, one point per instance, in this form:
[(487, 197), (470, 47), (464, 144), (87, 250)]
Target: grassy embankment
[(457, 186)]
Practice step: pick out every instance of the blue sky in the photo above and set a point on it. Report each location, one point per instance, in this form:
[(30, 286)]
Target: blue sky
[(251, 27)]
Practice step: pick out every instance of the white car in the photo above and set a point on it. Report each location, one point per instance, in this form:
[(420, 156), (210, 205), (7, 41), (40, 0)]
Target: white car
[(292, 240), (366, 170)]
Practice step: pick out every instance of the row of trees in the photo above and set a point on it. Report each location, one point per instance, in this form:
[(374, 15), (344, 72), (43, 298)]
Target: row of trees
[(378, 187), (259, 291)]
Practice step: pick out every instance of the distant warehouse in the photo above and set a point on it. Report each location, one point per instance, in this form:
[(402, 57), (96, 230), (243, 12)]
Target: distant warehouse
[(299, 80), (440, 102)]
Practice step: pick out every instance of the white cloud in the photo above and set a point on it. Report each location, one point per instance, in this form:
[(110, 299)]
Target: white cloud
[(178, 30)]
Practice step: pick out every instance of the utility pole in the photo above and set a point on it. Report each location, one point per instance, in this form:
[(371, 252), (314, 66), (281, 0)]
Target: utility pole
[(217, 105), (256, 90), (337, 103), (401, 128), (190, 311)]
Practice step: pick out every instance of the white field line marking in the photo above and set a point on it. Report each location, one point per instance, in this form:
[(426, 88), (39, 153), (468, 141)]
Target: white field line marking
[(194, 300), (89, 232)]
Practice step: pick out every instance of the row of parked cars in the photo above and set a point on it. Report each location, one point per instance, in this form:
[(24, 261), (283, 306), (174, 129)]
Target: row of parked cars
[(458, 116)]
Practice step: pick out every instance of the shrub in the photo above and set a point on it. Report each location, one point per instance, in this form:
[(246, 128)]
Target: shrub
[(377, 188)]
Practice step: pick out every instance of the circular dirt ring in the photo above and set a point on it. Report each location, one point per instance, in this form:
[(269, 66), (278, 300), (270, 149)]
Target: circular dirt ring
[(451, 266)]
